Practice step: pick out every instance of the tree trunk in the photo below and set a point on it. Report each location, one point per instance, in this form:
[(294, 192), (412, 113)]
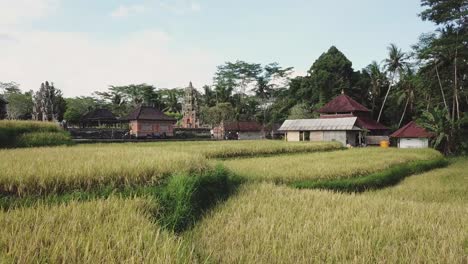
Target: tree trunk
[(404, 112), (385, 98), (441, 89)]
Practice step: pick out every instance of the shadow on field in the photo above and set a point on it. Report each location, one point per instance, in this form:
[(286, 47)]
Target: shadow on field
[(378, 180)]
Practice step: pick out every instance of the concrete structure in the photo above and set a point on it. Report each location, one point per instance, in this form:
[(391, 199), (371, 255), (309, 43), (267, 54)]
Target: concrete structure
[(239, 130), (190, 108), (412, 136), (3, 108), (342, 130), (148, 121)]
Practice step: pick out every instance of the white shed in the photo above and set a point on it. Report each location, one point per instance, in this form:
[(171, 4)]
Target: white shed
[(412, 136), (343, 130)]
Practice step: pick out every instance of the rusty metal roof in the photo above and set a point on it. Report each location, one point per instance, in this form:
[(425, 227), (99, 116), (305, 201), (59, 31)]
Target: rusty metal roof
[(320, 124)]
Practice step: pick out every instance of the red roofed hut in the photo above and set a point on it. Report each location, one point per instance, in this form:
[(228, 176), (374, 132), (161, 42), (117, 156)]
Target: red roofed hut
[(412, 136), (146, 121)]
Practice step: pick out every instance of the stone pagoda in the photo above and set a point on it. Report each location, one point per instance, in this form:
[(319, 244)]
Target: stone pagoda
[(190, 108)]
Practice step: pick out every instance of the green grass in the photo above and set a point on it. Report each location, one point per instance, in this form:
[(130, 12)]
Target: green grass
[(31, 134), (325, 165), (376, 180), (267, 223)]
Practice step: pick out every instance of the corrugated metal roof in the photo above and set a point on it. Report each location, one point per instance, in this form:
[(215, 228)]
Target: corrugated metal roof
[(345, 123)]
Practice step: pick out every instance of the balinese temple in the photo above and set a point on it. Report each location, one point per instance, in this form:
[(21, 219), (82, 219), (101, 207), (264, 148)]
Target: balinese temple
[(343, 120), (190, 108), (345, 106)]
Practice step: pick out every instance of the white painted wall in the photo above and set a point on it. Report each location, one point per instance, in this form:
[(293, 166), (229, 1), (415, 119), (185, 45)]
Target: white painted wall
[(413, 143), (292, 136)]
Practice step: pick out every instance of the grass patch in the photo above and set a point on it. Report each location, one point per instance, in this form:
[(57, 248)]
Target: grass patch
[(377, 180), (31, 134), (325, 165)]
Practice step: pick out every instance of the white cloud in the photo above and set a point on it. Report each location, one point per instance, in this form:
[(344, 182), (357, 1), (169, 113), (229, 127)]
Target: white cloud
[(125, 11), (15, 12), (195, 6), (79, 64)]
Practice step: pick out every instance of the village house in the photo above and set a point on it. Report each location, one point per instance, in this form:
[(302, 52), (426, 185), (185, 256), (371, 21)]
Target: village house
[(239, 130), (3, 108), (146, 121), (412, 136), (343, 120), (98, 117)]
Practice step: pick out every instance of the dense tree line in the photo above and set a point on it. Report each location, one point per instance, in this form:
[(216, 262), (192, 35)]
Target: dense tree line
[(427, 83)]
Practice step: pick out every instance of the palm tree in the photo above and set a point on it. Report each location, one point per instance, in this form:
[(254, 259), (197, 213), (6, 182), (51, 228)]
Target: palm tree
[(378, 80), (408, 85), (394, 63)]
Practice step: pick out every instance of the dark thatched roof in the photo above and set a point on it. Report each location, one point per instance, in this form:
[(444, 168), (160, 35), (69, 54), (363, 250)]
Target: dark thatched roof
[(411, 130), (149, 113), (243, 126), (342, 104), (100, 114)]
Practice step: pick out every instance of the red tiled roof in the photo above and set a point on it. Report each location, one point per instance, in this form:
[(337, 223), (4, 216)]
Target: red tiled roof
[(411, 130), (243, 126), (362, 121), (341, 104), (369, 124), (149, 113)]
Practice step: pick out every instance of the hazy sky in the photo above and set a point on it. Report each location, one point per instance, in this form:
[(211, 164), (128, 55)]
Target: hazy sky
[(86, 45)]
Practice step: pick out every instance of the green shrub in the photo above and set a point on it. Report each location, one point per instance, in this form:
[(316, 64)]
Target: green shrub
[(11, 131), (376, 180), (184, 198), (37, 139)]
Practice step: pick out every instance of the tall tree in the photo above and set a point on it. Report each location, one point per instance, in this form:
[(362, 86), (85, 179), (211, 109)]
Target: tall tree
[(377, 82), (394, 63)]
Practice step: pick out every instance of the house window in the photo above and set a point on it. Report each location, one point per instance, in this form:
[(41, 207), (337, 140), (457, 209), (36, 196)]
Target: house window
[(146, 127)]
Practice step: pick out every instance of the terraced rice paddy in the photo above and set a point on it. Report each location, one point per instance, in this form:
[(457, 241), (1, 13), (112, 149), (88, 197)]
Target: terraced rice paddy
[(422, 219)]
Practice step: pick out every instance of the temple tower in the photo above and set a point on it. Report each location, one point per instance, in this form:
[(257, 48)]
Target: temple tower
[(190, 108)]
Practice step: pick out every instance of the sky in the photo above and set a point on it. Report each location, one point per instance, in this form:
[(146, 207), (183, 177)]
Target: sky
[(86, 45)]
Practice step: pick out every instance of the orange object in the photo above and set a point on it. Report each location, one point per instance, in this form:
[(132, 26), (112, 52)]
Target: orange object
[(384, 144)]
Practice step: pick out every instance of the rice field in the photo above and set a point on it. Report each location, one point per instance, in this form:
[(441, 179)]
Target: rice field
[(422, 219), (325, 165), (267, 223), (102, 231)]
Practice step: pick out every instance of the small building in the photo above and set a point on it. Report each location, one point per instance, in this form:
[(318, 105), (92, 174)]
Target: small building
[(345, 106), (239, 130), (3, 108), (98, 117), (342, 129), (146, 121), (412, 136)]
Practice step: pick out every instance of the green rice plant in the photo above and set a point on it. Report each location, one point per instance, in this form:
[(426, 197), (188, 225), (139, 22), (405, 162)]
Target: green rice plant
[(40, 139), (325, 165), (10, 130), (376, 180), (185, 198), (104, 231), (267, 223), (43, 171)]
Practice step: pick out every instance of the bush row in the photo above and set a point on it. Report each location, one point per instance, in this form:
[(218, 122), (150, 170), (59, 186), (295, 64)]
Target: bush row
[(376, 180), (31, 134)]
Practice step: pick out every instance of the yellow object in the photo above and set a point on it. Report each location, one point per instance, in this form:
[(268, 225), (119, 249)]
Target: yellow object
[(384, 144)]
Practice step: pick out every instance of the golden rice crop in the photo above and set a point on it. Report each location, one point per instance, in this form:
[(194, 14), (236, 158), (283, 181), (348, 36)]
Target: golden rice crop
[(266, 223), (59, 169), (106, 231), (246, 148), (325, 165)]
